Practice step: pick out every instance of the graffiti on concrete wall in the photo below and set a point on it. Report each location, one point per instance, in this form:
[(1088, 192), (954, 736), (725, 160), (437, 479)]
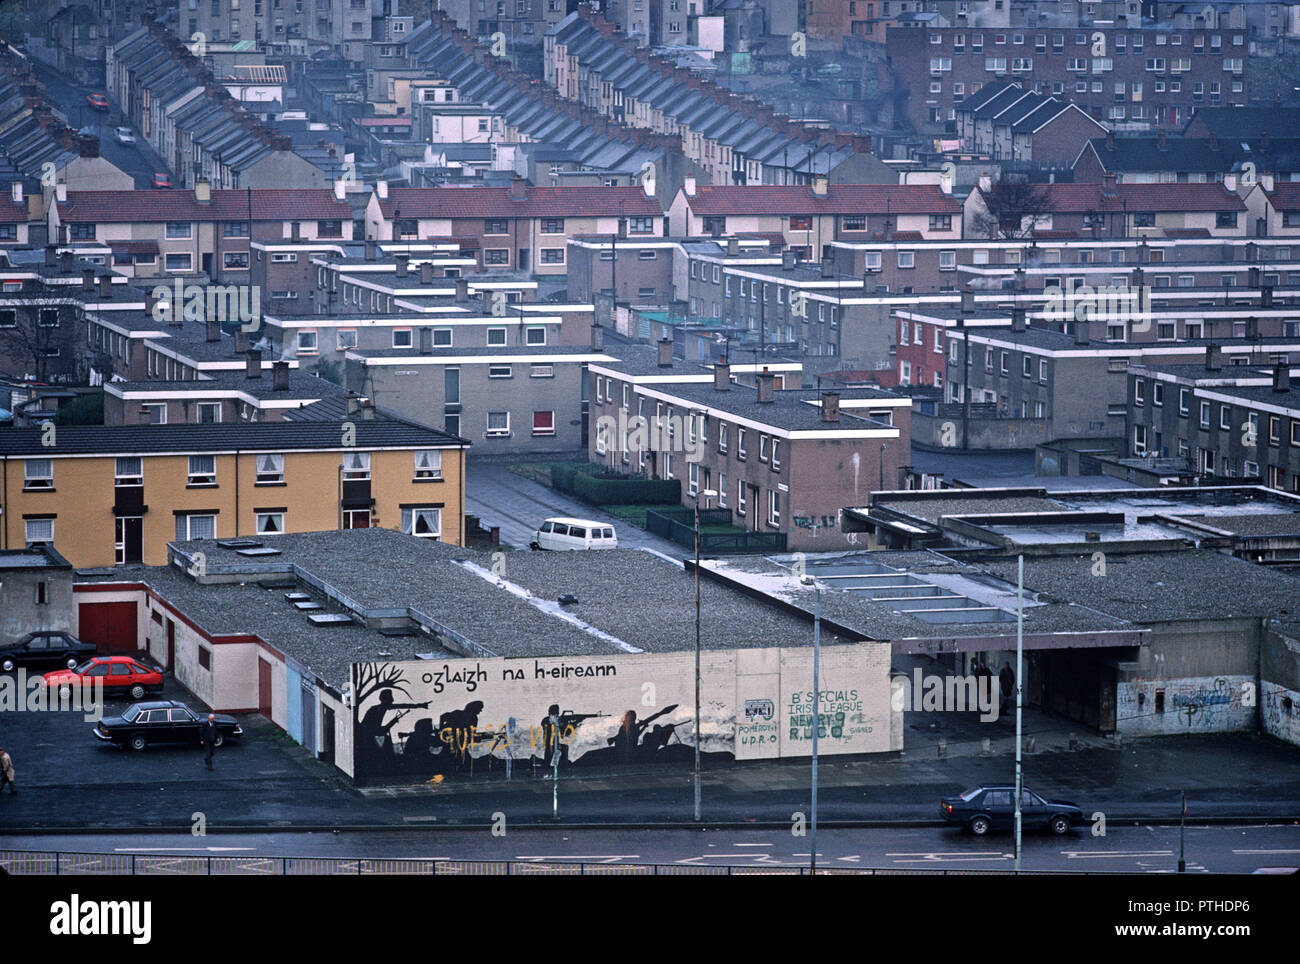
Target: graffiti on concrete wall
[(421, 719), (1212, 704), (1280, 708)]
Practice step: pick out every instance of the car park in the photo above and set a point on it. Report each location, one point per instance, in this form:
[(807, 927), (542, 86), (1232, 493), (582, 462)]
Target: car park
[(564, 535), (46, 647), (97, 101), (164, 722), (124, 135), (986, 808), (120, 674)]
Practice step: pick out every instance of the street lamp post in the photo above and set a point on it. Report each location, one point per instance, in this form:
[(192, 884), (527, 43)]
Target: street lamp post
[(706, 493), (1020, 642), (817, 639)]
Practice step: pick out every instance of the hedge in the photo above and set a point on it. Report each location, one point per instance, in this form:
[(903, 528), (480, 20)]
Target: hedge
[(611, 489)]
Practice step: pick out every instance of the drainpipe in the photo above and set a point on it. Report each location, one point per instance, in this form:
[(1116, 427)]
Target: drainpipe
[(4, 489), (463, 540), (237, 494)]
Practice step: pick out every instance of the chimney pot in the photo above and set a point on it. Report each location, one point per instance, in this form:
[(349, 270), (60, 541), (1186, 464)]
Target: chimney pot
[(1017, 319), (1282, 378), (280, 376), (372, 249), (426, 341), (213, 329), (65, 262), (1213, 358), (401, 262), (253, 363), (830, 406), (462, 290), (597, 336)]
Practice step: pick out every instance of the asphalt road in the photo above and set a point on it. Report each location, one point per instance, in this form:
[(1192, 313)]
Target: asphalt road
[(1147, 850), (139, 160), (518, 505)]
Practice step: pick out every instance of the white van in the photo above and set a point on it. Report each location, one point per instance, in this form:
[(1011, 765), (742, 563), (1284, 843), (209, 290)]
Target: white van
[(566, 534)]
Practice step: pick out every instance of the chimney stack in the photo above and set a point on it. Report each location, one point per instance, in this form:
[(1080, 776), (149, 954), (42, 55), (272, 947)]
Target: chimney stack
[(426, 341), (51, 256), (203, 191), (733, 247), (367, 409), (1081, 332), (830, 406), (280, 376), (241, 341), (597, 336), (1110, 140), (1017, 319), (462, 290), (1282, 378), (372, 248), (828, 268), (1266, 296), (253, 363), (1162, 140), (87, 279), (426, 272), (665, 353), (1213, 358), (401, 261), (766, 386), (518, 189), (105, 287), (65, 262), (353, 403), (788, 260), (722, 375), (213, 329)]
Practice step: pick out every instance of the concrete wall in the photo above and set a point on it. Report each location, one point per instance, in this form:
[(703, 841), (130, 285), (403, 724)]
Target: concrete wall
[(1005, 434), (20, 614), (756, 704), (1279, 670), (1207, 671)]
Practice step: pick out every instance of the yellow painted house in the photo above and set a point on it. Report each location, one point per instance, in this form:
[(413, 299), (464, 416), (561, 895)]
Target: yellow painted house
[(114, 495)]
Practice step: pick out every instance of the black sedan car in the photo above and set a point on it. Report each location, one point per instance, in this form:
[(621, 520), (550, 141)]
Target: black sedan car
[(993, 808), (162, 722), (45, 647)]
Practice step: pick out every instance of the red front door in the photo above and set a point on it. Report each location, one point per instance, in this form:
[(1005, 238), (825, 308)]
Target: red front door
[(109, 625), (264, 688)]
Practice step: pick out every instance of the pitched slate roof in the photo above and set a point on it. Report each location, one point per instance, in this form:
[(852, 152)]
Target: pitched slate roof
[(1285, 196), (538, 202), (769, 199), (1086, 198), (221, 437), (265, 204)]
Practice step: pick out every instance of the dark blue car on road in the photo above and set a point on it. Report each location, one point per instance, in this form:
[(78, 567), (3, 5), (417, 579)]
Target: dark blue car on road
[(986, 808)]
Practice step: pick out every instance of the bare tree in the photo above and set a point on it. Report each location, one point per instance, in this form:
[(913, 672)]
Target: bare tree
[(27, 335), (372, 677), (1014, 207)]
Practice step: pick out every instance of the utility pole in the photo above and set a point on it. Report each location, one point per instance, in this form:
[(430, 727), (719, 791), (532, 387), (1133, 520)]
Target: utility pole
[(965, 388), (697, 655), (1182, 827), (1020, 648), (817, 638)]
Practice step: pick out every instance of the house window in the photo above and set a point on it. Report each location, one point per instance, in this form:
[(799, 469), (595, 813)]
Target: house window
[(1139, 440), (496, 337), (496, 226), (128, 471), (776, 455), (38, 474), (693, 479), (356, 519), (346, 338), (907, 259), (356, 467), (402, 337), (178, 262), (1205, 414), (270, 469), (235, 260), (270, 523), (543, 423), (307, 341), (499, 371), (640, 225), (498, 424), (1027, 366), (535, 336), (208, 413), (154, 414), (552, 226), (774, 508), (552, 255), (1225, 416), (546, 371), (801, 223), (496, 256), (177, 231), (195, 527), (428, 464), (740, 497), (39, 530), (202, 470), (424, 522), (854, 222), (762, 448), (1158, 395), (740, 444)]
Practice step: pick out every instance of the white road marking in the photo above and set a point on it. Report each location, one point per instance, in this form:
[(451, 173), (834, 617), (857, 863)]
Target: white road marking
[(601, 858), (752, 845), (1266, 851), (1122, 854), (173, 850)]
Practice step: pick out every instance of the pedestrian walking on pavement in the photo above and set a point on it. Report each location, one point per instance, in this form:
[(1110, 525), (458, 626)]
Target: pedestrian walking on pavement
[(210, 735), (1007, 683), (7, 772)]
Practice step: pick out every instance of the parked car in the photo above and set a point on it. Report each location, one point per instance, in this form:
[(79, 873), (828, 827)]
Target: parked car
[(571, 534), (121, 674), (162, 722), (97, 101), (161, 180), (45, 647), (124, 135), (982, 809)]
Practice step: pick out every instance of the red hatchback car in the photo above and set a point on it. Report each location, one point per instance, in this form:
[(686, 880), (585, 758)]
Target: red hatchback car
[(97, 101), (121, 674)]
